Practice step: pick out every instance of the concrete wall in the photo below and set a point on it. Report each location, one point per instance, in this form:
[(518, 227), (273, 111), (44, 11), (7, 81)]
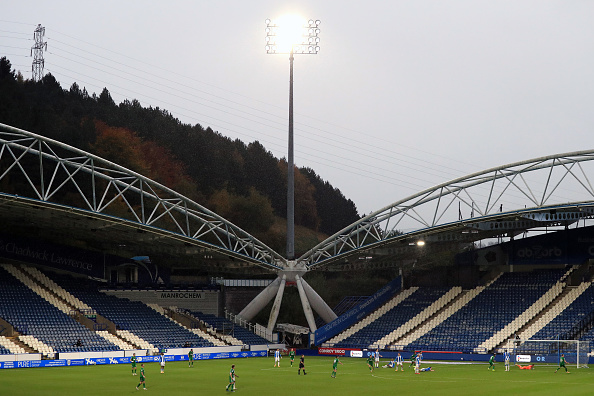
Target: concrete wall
[(236, 298), (20, 357)]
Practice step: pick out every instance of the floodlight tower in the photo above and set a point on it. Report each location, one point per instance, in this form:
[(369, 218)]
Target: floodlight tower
[(292, 36)]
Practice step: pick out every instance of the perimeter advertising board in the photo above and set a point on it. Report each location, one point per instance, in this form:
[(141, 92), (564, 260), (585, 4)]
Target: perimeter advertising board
[(336, 351), (126, 360)]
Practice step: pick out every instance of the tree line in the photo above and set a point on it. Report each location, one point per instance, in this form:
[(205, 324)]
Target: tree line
[(242, 182)]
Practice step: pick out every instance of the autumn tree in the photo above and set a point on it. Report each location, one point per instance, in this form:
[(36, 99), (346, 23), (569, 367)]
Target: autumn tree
[(253, 212), (306, 213)]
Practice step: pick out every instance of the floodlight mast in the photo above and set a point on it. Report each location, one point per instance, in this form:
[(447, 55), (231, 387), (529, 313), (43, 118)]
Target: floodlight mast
[(305, 40), (309, 44)]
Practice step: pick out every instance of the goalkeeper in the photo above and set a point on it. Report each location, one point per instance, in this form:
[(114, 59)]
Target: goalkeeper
[(526, 367)]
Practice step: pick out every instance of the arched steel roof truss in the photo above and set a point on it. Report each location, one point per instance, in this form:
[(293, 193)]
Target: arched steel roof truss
[(51, 171), (519, 188)]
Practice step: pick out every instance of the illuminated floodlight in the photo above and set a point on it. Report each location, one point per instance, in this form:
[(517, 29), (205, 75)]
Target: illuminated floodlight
[(292, 34), (421, 243)]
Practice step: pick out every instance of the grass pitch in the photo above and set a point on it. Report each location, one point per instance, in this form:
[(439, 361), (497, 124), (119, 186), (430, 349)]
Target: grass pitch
[(257, 376)]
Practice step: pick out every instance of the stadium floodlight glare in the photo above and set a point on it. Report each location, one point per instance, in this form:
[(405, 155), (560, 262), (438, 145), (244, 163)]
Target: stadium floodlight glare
[(421, 243), (292, 35)]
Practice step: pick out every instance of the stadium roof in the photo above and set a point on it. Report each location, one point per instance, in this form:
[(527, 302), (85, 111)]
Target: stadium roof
[(54, 192)]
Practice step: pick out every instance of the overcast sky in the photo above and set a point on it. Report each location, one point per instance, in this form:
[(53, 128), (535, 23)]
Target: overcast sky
[(403, 95)]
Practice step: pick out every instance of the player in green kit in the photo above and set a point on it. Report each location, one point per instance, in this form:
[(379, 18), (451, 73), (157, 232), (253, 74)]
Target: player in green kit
[(141, 377), (191, 358), (232, 376), (292, 355), (562, 363), (412, 359), (370, 362), (492, 363), (335, 366), (133, 361)]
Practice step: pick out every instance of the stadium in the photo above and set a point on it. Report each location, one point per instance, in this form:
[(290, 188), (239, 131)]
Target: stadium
[(87, 249)]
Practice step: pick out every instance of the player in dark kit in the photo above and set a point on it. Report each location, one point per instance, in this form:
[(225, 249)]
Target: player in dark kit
[(232, 376), (562, 364), (335, 366), (302, 365), (491, 363), (370, 362), (133, 361), (412, 359), (141, 377)]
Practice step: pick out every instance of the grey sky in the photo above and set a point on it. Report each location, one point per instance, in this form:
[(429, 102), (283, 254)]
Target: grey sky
[(402, 96)]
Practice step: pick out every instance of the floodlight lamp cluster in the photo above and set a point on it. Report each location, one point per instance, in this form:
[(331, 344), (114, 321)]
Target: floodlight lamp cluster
[(309, 41)]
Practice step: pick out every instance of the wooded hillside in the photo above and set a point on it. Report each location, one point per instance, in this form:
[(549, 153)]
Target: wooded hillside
[(242, 182)]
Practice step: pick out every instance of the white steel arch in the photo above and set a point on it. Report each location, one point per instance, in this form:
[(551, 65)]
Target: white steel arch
[(54, 172), (523, 190)]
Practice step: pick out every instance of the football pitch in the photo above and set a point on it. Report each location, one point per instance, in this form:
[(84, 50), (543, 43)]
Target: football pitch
[(257, 376)]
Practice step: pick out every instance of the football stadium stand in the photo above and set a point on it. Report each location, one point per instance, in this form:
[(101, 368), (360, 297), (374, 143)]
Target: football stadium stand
[(342, 307), (8, 347), (491, 310), (225, 326), (44, 309), (563, 316), (42, 325), (476, 320), (134, 317), (393, 315)]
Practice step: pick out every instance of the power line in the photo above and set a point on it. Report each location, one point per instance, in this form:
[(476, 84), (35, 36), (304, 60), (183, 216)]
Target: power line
[(324, 156), (7, 54), (321, 159), (349, 148), (16, 23), (229, 110), (423, 160), (11, 32), (13, 47)]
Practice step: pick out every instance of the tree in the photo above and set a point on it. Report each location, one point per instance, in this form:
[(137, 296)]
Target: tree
[(120, 146), (305, 205), (252, 213), (105, 98), (193, 160), (335, 211), (6, 71), (263, 173)]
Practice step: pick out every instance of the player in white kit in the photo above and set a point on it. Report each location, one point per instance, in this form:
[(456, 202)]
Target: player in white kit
[(399, 362), (377, 356)]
